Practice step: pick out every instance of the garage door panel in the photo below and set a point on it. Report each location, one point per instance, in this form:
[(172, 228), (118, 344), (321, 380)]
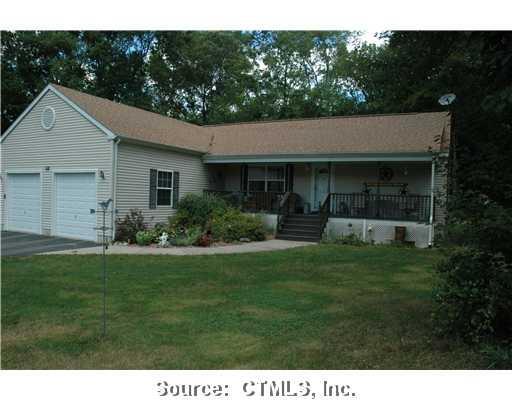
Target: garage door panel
[(75, 197), (24, 202)]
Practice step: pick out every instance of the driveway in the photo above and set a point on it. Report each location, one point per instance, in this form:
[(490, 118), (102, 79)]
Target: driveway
[(26, 244)]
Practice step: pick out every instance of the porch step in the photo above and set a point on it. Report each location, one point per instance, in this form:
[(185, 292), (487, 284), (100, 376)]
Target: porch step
[(300, 227), (314, 229), (298, 238)]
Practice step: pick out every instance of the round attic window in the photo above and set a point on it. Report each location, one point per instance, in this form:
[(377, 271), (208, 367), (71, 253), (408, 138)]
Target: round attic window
[(48, 118)]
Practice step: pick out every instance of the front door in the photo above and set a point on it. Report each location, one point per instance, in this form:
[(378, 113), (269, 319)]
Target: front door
[(321, 185)]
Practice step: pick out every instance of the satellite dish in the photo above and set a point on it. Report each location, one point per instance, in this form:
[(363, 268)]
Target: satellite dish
[(447, 99)]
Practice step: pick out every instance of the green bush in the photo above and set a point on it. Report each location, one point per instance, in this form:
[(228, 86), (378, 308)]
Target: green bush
[(187, 237), (351, 239), (127, 228), (499, 355), (477, 221), (473, 295), (197, 210), (144, 238), (233, 225)]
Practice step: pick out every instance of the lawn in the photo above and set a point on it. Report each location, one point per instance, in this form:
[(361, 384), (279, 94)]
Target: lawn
[(318, 307)]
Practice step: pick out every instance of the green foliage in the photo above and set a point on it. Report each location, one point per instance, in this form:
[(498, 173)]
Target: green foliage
[(472, 295), (127, 228), (479, 222), (499, 355), (145, 238), (351, 239), (107, 64), (233, 225), (187, 237), (197, 210)]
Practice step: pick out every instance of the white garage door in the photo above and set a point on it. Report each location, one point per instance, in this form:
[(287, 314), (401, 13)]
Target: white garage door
[(24, 202), (75, 196)]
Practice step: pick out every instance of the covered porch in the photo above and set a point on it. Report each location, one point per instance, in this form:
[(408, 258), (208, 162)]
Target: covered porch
[(398, 190)]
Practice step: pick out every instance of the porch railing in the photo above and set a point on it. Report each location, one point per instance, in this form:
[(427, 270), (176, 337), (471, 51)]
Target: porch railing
[(380, 206), (251, 201), (344, 205)]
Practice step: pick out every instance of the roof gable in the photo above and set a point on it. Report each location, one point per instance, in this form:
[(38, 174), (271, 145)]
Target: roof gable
[(141, 125), (41, 95)]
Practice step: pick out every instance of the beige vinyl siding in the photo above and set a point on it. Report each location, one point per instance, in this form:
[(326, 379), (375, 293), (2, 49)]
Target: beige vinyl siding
[(132, 181), (73, 144)]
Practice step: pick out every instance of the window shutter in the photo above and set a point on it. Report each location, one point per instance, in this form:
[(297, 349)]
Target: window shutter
[(153, 176), (175, 189), (289, 177), (244, 176)]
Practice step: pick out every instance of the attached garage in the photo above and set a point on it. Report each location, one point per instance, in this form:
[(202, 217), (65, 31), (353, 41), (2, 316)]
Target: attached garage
[(24, 202), (75, 196)]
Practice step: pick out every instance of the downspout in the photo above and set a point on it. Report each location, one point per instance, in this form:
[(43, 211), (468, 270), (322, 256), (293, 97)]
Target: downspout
[(115, 144), (431, 219)]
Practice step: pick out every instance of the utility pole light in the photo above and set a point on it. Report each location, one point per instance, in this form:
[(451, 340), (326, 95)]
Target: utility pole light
[(104, 205)]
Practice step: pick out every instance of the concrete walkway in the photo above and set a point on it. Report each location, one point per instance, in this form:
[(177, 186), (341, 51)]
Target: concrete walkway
[(252, 247)]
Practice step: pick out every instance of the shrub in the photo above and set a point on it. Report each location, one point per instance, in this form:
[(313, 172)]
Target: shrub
[(498, 355), (472, 295), (205, 240), (351, 239), (197, 210), (188, 237), (127, 228), (144, 238), (477, 221), (233, 225)]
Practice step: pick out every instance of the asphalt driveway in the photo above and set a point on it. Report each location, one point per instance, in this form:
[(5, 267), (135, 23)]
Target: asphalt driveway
[(26, 244)]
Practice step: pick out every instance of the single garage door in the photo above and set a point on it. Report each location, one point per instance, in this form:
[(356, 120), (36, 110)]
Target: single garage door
[(24, 202), (74, 198)]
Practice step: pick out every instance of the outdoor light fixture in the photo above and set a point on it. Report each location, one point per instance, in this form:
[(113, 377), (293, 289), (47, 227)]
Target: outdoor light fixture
[(102, 175)]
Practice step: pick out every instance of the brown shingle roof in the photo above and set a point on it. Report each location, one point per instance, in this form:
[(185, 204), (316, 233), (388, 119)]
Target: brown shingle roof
[(138, 124), (392, 133), (355, 134)]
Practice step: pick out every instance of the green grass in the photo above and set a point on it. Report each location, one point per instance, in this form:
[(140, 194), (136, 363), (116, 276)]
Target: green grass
[(318, 307)]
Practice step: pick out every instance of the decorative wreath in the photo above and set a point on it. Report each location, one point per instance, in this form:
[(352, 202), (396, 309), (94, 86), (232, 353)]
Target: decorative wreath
[(386, 174)]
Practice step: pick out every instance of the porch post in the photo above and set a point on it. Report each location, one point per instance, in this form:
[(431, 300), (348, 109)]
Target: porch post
[(329, 166), (243, 177)]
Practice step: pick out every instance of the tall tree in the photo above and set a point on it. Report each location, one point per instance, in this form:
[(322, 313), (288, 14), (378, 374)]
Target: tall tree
[(31, 60), (416, 68), (116, 65), (200, 76)]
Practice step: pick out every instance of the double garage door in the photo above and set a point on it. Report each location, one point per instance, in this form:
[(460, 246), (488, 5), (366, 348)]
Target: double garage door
[(74, 195)]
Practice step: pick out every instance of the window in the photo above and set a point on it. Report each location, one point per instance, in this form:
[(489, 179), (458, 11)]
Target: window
[(266, 179), (164, 188)]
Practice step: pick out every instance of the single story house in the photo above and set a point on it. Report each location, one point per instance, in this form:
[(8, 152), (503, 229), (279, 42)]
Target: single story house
[(358, 174)]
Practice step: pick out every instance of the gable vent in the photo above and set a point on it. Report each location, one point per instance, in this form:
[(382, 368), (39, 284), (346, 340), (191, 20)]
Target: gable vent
[(48, 118)]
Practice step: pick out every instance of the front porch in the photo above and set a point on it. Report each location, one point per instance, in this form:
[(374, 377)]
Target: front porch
[(315, 193)]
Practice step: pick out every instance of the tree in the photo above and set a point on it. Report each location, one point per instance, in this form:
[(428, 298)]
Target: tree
[(31, 60), (200, 76)]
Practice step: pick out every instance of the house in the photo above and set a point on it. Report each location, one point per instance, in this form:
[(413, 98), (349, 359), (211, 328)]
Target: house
[(359, 174)]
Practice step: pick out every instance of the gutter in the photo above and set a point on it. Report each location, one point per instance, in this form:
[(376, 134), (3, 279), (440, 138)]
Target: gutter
[(340, 157), (431, 218)]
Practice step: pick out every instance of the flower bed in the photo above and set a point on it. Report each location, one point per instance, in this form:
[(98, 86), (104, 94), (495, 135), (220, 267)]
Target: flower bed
[(199, 221)]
